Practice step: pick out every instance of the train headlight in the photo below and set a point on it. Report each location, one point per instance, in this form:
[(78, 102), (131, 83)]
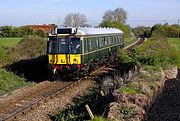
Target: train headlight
[(62, 61), (75, 61)]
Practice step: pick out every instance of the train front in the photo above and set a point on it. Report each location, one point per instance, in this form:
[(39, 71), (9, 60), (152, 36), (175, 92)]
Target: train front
[(64, 49)]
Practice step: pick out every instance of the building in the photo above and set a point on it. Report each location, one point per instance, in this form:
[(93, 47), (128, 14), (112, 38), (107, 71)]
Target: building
[(46, 28)]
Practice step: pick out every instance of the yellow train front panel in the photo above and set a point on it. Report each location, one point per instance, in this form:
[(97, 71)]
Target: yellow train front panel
[(64, 58)]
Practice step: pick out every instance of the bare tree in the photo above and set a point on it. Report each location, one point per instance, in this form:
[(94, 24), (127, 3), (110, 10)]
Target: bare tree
[(119, 14), (75, 20), (108, 15)]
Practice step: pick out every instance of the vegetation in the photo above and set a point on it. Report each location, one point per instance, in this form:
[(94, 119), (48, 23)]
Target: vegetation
[(129, 90), (118, 15), (99, 118), (18, 32), (78, 112), (159, 30), (10, 82), (115, 24), (75, 20), (128, 41), (29, 47), (142, 31), (175, 42), (9, 42), (154, 52)]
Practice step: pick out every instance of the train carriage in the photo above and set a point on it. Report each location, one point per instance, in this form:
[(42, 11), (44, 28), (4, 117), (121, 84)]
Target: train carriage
[(74, 51)]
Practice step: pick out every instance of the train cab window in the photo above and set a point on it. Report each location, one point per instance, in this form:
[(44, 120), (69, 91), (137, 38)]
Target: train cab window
[(63, 45), (75, 45), (53, 46)]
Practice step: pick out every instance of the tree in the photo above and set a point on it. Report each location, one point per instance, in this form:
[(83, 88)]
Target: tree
[(119, 15), (41, 33), (142, 31), (27, 30), (75, 20), (7, 31), (115, 24)]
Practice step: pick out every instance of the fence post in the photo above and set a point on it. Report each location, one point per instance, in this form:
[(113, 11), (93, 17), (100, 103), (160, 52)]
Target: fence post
[(89, 111)]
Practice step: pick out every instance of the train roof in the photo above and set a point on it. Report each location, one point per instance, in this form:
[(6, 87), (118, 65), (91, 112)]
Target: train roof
[(91, 31)]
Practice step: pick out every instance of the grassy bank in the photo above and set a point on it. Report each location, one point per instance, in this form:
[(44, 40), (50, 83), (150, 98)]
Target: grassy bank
[(128, 41), (10, 82), (9, 42), (176, 43)]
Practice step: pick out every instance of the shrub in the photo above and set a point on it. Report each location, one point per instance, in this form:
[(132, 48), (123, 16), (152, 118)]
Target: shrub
[(154, 52), (29, 47)]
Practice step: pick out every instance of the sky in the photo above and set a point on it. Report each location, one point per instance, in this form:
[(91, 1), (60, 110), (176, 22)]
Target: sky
[(140, 12)]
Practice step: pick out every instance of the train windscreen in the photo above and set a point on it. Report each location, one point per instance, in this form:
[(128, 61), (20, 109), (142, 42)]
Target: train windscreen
[(75, 45), (58, 46)]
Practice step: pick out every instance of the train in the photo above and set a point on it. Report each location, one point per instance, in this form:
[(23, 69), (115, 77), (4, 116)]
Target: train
[(76, 51)]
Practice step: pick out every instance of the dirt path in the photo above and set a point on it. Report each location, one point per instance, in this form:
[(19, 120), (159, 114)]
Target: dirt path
[(167, 105)]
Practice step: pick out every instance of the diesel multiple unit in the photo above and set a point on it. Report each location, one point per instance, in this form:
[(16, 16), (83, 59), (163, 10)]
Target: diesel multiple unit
[(74, 51)]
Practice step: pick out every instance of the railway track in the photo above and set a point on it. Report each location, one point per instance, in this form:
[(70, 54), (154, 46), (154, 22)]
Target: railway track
[(13, 109)]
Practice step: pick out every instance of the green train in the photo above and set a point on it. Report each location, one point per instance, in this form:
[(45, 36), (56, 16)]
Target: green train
[(76, 51)]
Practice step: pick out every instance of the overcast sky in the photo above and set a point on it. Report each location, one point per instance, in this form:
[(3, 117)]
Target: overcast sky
[(140, 12)]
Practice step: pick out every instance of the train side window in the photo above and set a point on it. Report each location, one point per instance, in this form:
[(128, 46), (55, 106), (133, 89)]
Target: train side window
[(97, 43), (115, 39), (105, 42), (86, 47), (100, 42), (108, 41), (90, 44), (119, 38)]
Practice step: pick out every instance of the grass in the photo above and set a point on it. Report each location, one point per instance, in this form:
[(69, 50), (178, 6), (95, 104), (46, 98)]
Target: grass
[(128, 41), (9, 42), (10, 82), (129, 90), (176, 43)]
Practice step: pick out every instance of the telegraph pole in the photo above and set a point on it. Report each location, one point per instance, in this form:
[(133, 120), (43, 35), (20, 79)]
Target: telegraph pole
[(179, 28)]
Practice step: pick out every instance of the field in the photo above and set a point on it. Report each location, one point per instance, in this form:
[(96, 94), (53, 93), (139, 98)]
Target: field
[(176, 43), (9, 42), (8, 80)]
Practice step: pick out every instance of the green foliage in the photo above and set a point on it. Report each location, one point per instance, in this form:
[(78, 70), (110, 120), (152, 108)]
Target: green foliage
[(128, 41), (154, 52), (4, 58), (127, 111), (130, 90), (165, 30), (9, 42), (175, 42), (10, 31), (10, 82), (29, 47), (99, 118), (126, 58), (114, 24), (142, 31)]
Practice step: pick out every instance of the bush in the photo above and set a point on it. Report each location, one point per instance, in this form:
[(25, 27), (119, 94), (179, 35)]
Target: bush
[(154, 52), (29, 47), (126, 59), (4, 59)]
